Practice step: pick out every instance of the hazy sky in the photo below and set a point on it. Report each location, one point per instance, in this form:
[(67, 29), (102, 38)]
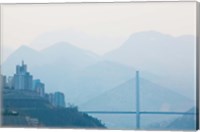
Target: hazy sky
[(96, 27)]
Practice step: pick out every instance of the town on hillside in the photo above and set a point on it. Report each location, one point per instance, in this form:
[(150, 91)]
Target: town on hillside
[(23, 80)]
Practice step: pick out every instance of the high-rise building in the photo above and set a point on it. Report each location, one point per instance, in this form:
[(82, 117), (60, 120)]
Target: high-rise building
[(2, 81), (10, 82), (59, 99), (51, 98), (39, 87), (22, 78)]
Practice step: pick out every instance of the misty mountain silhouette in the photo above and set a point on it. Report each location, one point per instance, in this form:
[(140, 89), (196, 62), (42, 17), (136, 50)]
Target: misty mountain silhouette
[(152, 98), (94, 82), (68, 52), (58, 54), (71, 70), (96, 79), (161, 54)]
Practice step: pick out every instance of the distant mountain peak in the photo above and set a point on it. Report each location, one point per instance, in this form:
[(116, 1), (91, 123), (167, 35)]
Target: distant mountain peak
[(150, 35), (62, 45), (67, 49), (25, 48), (23, 51)]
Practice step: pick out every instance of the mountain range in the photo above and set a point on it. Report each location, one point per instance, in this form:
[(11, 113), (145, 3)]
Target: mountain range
[(93, 82), (173, 58), (115, 99), (153, 98)]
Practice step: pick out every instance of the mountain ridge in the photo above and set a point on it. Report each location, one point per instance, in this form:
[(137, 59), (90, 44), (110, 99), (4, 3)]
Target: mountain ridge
[(164, 55)]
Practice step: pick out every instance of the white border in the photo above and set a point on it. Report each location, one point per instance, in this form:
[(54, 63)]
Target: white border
[(74, 130)]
